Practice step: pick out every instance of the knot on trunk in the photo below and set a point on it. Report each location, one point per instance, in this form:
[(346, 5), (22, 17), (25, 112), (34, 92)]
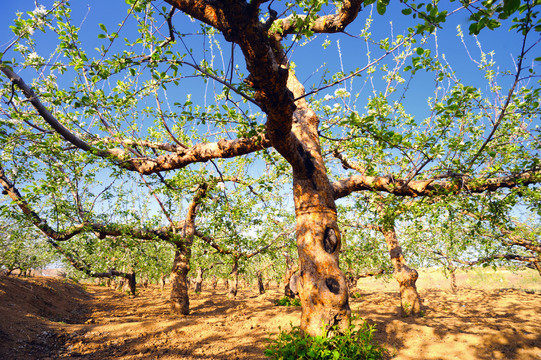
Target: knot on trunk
[(405, 275), (330, 241), (333, 285), (396, 252)]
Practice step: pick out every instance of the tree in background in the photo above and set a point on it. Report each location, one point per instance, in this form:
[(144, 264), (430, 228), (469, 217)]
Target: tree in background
[(21, 247)]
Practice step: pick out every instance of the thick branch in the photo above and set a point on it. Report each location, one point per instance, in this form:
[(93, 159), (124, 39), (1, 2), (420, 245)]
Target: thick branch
[(179, 159), (203, 152), (325, 24), (528, 259), (51, 120), (431, 187)]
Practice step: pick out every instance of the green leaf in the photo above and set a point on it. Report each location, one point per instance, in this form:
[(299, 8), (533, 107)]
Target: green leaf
[(407, 11), (381, 7), (510, 6)]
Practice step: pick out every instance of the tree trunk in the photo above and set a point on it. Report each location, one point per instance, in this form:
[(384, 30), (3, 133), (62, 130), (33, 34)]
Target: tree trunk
[(287, 281), (454, 287), (410, 300), (162, 281), (322, 285), (537, 265), (260, 285), (131, 282), (352, 282), (235, 280), (180, 302), (199, 280), (214, 282)]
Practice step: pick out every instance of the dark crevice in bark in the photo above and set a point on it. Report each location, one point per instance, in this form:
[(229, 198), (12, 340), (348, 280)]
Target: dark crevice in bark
[(330, 242), (332, 285)]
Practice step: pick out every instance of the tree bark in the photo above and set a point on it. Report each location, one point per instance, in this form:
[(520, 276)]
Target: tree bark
[(322, 285), (410, 300), (180, 302), (454, 287), (235, 280), (199, 280), (537, 265), (260, 285), (287, 282), (162, 281)]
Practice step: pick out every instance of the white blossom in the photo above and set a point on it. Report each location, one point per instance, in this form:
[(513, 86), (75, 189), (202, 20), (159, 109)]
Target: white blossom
[(33, 56), (341, 93), (40, 11)]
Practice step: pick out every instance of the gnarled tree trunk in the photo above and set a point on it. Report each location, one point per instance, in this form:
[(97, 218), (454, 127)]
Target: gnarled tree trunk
[(287, 282), (131, 284), (180, 302), (410, 301), (322, 285)]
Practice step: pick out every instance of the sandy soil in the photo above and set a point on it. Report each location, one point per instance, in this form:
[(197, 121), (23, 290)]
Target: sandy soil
[(44, 318)]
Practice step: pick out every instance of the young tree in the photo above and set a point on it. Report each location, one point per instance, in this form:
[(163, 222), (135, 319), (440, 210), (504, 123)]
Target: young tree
[(100, 113)]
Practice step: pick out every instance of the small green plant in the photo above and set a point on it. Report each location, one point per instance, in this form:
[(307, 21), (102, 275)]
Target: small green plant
[(356, 343), (287, 301), (406, 310), (356, 295)]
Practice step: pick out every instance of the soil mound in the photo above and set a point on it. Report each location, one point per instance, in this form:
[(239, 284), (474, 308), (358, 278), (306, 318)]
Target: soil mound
[(32, 313)]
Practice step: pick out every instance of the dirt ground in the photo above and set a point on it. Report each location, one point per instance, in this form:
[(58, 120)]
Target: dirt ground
[(47, 318)]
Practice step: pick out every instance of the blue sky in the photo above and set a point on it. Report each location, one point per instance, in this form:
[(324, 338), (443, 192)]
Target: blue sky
[(343, 50), (505, 45)]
